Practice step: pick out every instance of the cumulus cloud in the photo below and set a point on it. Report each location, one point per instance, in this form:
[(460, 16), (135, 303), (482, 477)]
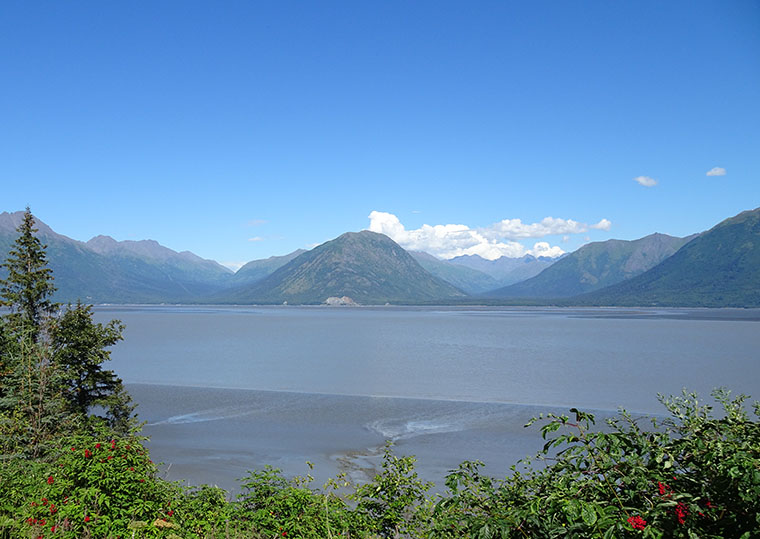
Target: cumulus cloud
[(256, 238), (491, 242), (646, 181), (716, 171), (604, 224)]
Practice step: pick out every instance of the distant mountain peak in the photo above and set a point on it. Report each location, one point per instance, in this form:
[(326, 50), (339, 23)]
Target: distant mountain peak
[(367, 266)]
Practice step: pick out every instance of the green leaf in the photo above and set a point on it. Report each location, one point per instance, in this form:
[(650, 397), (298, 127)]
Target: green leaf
[(588, 514)]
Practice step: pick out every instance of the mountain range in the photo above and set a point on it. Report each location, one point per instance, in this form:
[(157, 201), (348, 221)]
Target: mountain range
[(595, 266), (103, 270), (719, 267)]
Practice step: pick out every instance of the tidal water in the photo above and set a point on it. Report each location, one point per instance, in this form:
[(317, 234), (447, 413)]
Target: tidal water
[(228, 389)]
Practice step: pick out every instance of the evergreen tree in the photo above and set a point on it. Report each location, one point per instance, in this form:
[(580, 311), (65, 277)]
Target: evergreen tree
[(29, 285), (49, 384), (79, 350)]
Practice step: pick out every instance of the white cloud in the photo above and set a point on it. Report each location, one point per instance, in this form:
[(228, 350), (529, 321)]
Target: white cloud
[(646, 181), (256, 238), (491, 242), (516, 229), (716, 171), (604, 224), (257, 222), (542, 248)]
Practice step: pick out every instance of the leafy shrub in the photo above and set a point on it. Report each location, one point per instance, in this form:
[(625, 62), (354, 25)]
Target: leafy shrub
[(273, 506), (691, 475)]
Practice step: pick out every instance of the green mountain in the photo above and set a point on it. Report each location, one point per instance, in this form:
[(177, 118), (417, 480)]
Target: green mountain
[(257, 270), (506, 270), (106, 271), (595, 266), (369, 268), (719, 268), (466, 279)]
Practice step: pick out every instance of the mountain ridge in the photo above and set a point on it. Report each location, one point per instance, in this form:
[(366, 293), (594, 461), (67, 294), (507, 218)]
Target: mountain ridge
[(718, 268), (595, 266), (368, 267)]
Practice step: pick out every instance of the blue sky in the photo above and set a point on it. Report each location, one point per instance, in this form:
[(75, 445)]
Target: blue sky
[(240, 130)]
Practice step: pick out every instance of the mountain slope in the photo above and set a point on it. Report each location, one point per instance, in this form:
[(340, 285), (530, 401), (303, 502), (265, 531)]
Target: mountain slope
[(256, 270), (719, 268), (595, 266), (106, 271), (466, 279), (505, 270), (368, 267)]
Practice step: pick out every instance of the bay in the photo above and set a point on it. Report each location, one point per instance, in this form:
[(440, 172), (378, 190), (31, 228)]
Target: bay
[(227, 389)]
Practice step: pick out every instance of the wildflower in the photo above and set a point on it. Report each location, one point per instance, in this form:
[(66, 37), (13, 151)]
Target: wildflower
[(131, 469), (87, 453), (44, 501), (681, 512), (50, 480), (53, 509), (53, 528), (86, 518), (97, 446), (170, 513), (73, 448)]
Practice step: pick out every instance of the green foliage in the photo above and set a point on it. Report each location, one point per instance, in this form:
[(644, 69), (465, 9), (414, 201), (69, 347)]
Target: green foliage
[(80, 347), (271, 505), (97, 486), (394, 502), (32, 411), (692, 475), (51, 375)]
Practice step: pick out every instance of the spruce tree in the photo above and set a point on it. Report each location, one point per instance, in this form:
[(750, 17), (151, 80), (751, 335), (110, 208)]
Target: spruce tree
[(79, 349), (29, 286)]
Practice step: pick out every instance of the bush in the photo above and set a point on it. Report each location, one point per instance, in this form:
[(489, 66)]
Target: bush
[(689, 475)]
